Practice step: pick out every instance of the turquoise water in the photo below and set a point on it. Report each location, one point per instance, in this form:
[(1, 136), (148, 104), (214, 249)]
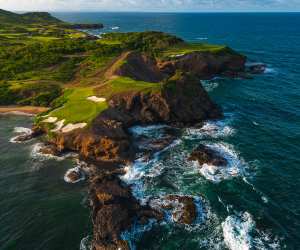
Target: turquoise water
[(255, 206)]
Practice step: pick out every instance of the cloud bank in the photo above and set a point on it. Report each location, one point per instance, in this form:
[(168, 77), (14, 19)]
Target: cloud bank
[(152, 5)]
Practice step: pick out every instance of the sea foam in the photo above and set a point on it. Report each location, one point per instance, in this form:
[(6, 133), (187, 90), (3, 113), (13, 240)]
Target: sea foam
[(234, 167), (240, 233), (20, 131), (213, 129)]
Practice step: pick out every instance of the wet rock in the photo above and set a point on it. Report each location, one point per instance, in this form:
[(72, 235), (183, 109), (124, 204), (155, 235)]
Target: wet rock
[(205, 65), (256, 68), (182, 208), (185, 211), (23, 137), (206, 155), (75, 175), (49, 149), (114, 209)]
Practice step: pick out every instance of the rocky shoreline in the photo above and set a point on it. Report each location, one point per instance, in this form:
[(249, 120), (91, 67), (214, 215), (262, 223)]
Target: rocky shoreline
[(108, 146)]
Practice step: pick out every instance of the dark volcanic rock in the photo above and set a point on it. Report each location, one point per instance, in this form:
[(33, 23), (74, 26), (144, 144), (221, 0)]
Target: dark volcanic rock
[(49, 149), (181, 207), (185, 211), (206, 65), (206, 155), (74, 175), (137, 66), (256, 68), (181, 101), (23, 137), (114, 211)]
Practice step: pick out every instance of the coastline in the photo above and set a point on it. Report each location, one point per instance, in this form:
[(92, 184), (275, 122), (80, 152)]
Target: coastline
[(22, 110)]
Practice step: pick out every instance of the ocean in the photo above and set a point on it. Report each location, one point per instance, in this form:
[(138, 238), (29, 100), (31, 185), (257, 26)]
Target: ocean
[(254, 204)]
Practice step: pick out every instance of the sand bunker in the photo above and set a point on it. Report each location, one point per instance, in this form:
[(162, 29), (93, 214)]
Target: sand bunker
[(70, 127), (96, 99), (58, 126), (50, 119)]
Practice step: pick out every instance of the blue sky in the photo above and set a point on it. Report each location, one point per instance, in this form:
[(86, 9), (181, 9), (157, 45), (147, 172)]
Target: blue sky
[(152, 5)]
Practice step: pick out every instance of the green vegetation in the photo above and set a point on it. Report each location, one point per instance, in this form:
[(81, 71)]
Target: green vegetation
[(29, 93), (76, 108), (125, 84), (45, 62), (182, 49)]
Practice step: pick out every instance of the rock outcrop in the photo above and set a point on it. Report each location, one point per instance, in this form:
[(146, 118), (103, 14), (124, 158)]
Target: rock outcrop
[(138, 66), (180, 101), (206, 65), (114, 211), (206, 155)]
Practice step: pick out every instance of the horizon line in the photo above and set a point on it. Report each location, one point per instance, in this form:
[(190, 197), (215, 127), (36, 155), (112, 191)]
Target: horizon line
[(159, 11)]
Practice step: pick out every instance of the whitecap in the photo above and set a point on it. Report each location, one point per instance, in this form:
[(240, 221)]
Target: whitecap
[(86, 243), (202, 38), (240, 232), (209, 85), (152, 130), (269, 70), (79, 171), (38, 155), (214, 129), (115, 27), (216, 174), (20, 131)]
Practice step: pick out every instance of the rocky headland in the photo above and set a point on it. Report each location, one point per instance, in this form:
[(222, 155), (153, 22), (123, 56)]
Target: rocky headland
[(138, 87), (181, 101)]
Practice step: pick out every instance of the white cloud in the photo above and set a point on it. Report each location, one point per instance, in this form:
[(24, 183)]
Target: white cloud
[(149, 5)]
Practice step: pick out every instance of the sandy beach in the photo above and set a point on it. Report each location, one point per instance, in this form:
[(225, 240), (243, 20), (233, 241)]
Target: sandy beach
[(22, 110)]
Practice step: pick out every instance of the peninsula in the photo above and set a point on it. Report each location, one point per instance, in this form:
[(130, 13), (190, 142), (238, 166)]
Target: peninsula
[(95, 89)]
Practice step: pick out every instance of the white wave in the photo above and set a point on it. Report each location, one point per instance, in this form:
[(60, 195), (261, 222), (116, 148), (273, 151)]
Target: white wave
[(240, 233), (262, 195), (38, 155), (86, 243), (79, 171), (174, 212), (20, 131), (152, 130), (115, 27), (202, 38), (270, 70), (214, 129), (209, 85), (234, 167)]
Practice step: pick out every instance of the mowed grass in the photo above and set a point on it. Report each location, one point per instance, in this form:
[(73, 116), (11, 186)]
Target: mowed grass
[(126, 84), (188, 48), (77, 108)]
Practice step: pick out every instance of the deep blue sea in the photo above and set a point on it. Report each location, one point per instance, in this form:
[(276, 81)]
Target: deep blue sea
[(253, 204)]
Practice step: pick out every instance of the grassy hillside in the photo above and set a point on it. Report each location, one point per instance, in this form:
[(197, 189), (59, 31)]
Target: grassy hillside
[(44, 63), (8, 18)]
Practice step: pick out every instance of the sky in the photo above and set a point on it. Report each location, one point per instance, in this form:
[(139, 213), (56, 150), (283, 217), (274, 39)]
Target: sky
[(151, 5)]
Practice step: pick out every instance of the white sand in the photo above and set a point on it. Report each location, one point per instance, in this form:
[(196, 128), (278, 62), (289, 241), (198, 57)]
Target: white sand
[(96, 99), (59, 126), (50, 119), (70, 127)]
